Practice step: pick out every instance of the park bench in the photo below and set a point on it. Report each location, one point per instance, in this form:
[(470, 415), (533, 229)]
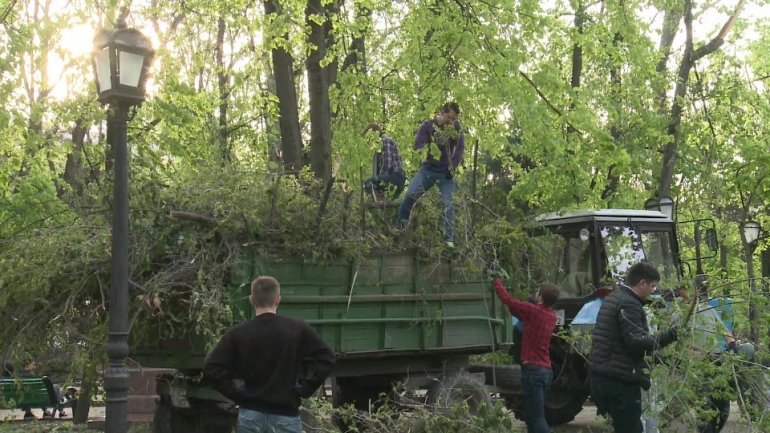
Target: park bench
[(21, 392)]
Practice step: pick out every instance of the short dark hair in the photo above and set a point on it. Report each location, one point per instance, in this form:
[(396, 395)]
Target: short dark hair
[(265, 291), (641, 271), (452, 105), (549, 293)]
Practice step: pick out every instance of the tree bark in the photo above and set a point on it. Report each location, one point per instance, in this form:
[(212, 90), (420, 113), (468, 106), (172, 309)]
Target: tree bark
[(613, 178), (224, 92), (318, 94), (356, 56), (286, 90), (73, 168)]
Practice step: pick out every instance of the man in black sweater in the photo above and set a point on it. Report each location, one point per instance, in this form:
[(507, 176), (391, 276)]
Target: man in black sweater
[(259, 364), (620, 341)]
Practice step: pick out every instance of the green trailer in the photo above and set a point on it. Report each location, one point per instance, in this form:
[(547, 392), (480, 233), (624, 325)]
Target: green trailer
[(391, 319)]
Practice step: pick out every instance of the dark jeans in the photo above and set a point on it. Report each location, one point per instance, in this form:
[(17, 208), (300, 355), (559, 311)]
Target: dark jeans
[(534, 384), (252, 421), (386, 181), (423, 181), (621, 400)]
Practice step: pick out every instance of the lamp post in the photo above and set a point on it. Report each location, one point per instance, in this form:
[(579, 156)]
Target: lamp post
[(750, 231), (121, 61)]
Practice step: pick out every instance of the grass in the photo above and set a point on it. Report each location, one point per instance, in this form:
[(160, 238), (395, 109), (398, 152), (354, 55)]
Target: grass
[(58, 427)]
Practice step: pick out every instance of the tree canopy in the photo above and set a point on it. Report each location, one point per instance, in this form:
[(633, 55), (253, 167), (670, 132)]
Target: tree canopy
[(251, 134)]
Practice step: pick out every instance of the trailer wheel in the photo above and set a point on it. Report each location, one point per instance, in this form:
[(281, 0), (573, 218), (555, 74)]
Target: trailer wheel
[(167, 419), (502, 375), (457, 389)]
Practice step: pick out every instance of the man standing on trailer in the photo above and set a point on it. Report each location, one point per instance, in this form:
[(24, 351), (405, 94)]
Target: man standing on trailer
[(259, 364), (442, 134)]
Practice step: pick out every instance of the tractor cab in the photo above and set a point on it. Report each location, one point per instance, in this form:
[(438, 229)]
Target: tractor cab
[(586, 252)]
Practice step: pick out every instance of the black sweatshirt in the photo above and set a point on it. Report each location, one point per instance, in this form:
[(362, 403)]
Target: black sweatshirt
[(267, 353)]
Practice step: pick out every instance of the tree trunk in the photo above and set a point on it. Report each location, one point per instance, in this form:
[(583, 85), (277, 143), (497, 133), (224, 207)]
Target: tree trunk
[(613, 178), (356, 56), (671, 20), (73, 169), (318, 94), (680, 93), (286, 90), (577, 48), (224, 92)]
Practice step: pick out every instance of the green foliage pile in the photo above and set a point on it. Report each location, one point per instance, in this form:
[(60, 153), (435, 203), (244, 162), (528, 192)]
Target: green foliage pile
[(409, 415)]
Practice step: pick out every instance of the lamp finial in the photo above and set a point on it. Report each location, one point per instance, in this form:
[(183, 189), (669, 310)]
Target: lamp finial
[(121, 22)]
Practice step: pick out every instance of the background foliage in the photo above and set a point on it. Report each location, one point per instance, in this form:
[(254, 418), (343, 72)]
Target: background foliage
[(565, 105)]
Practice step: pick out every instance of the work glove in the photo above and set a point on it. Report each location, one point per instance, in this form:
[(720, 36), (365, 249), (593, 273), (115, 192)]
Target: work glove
[(495, 271), (667, 337)]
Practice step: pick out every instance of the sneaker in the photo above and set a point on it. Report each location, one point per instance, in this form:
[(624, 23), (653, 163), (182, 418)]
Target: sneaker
[(29, 415), (62, 414), (48, 414)]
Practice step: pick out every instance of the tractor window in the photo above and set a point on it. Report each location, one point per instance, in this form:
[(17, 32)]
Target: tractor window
[(624, 246), (565, 260), (658, 249)]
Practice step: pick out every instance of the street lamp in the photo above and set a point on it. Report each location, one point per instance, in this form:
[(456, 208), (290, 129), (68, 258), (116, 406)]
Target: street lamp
[(751, 231), (665, 205), (751, 236), (121, 61)]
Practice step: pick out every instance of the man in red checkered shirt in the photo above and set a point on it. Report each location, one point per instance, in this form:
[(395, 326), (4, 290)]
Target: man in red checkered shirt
[(536, 375)]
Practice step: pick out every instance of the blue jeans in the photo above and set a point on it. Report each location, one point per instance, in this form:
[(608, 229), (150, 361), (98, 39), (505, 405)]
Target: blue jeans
[(386, 181), (252, 421), (423, 181), (535, 382), (621, 400)]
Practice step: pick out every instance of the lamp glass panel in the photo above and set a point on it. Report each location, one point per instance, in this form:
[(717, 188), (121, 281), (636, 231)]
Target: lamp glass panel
[(130, 68), (667, 206), (751, 231), (102, 61)]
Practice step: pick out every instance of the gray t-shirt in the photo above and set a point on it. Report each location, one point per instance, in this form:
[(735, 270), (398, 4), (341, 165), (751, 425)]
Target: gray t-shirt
[(707, 329)]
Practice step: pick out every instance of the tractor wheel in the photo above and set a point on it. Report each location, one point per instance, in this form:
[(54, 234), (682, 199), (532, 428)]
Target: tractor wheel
[(561, 406)]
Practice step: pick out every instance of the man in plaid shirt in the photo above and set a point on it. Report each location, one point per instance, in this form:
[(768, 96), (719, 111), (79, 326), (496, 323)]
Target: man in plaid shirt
[(390, 174), (536, 375)]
